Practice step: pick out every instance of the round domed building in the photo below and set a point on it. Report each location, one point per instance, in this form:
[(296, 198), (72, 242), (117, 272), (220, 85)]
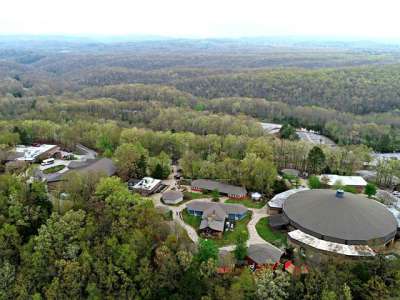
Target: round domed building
[(338, 223)]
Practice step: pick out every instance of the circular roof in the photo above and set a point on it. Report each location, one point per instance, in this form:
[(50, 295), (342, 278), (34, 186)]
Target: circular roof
[(172, 196), (353, 219)]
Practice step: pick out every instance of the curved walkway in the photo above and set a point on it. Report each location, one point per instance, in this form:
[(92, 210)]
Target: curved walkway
[(254, 237)]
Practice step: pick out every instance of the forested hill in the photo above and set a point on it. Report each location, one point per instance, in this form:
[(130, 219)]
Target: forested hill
[(358, 90), (351, 94)]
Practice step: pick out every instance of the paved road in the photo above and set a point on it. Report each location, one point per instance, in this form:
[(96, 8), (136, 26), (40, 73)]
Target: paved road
[(88, 153)]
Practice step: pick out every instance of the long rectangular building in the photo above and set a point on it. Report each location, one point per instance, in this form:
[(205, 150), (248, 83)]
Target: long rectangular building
[(231, 191)]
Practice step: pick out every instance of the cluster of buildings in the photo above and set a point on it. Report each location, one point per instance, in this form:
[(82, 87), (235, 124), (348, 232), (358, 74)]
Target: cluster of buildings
[(321, 223), (84, 163)]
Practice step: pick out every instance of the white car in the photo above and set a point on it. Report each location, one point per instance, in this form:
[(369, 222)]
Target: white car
[(47, 162)]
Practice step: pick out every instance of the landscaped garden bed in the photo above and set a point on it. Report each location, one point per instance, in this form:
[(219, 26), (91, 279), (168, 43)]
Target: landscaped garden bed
[(53, 169)]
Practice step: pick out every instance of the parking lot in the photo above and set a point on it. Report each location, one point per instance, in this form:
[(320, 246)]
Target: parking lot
[(314, 138)]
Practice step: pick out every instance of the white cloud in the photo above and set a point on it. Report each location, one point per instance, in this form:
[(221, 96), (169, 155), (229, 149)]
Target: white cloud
[(369, 18)]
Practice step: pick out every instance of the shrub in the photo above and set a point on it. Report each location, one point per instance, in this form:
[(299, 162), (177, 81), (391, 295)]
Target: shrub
[(314, 182), (370, 190)]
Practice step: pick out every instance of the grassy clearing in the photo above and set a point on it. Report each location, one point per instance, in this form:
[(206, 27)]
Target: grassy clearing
[(191, 196), (230, 237), (191, 220), (268, 234), (53, 169), (247, 202)]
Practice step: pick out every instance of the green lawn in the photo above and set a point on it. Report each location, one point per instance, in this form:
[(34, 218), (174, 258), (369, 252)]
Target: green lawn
[(247, 202), (272, 236), (53, 169), (193, 221), (230, 237), (191, 196)]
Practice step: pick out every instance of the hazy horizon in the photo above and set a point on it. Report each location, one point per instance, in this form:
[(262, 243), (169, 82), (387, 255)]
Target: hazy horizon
[(369, 20)]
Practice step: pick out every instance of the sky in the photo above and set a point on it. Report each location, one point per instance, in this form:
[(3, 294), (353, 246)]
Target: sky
[(203, 18)]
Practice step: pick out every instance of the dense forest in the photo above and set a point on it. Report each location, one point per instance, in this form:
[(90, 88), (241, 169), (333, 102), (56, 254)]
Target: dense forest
[(349, 95), (150, 104)]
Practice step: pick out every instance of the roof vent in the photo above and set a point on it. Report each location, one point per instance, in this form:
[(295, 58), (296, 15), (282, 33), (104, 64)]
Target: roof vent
[(339, 194)]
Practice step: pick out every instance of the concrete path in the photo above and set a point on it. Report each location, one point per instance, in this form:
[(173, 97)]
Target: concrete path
[(257, 214), (254, 237)]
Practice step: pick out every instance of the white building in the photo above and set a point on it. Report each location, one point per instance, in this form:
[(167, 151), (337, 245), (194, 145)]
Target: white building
[(354, 181), (35, 153), (147, 186)]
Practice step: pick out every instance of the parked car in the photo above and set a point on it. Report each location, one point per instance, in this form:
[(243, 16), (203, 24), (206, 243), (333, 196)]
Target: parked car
[(47, 162)]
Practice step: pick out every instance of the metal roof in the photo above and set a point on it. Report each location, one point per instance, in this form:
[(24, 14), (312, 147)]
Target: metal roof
[(224, 188), (103, 165), (147, 183), (30, 153), (227, 208), (345, 180), (353, 219), (278, 200), (349, 250)]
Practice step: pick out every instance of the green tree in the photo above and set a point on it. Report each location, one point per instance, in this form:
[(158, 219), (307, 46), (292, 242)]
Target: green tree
[(328, 295), (207, 249), (288, 132), (130, 160), (215, 195), (159, 166), (316, 160), (158, 172), (272, 284), (370, 190), (314, 182), (241, 248)]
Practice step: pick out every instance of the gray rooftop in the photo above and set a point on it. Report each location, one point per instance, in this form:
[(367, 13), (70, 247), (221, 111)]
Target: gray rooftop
[(353, 219), (224, 188), (213, 224), (227, 208), (103, 165), (172, 196), (264, 253)]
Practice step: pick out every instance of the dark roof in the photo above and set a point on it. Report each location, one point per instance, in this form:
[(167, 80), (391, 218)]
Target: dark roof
[(279, 220), (264, 253), (172, 196), (228, 208), (216, 212), (102, 165), (223, 188), (353, 219), (80, 164), (214, 218), (216, 225)]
